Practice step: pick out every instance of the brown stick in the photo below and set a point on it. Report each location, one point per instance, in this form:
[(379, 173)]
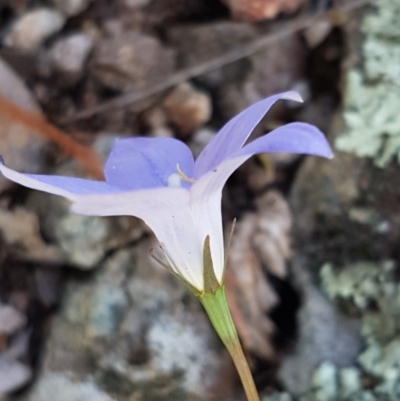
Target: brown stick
[(37, 123), (245, 50)]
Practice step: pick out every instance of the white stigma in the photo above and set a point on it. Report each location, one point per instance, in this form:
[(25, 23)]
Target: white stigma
[(174, 180)]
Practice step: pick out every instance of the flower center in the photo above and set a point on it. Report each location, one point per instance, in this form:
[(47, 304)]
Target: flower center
[(175, 179)]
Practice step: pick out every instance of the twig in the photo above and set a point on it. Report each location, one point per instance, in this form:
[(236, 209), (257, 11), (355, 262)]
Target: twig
[(240, 52), (36, 122)]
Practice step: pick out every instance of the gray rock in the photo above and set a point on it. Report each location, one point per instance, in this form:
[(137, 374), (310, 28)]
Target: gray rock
[(325, 335), (30, 30), (200, 140), (71, 7), (201, 42), (136, 3), (13, 375), (21, 148), (68, 55), (232, 98), (274, 70), (14, 89), (10, 320), (130, 59)]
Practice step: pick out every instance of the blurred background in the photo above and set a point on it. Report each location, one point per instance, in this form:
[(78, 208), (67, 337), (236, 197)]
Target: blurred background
[(313, 269)]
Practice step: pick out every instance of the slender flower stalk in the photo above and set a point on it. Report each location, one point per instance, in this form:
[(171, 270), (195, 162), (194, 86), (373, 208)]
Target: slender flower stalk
[(217, 310), (158, 181)]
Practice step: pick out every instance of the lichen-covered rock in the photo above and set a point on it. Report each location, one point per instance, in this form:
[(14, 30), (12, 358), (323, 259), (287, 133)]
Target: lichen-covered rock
[(130, 332), (63, 388), (347, 224), (325, 335), (372, 96), (278, 397), (356, 287), (83, 241), (333, 384), (30, 30)]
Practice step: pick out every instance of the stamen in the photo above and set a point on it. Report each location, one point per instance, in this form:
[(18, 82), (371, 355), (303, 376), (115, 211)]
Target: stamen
[(183, 176), (158, 260)]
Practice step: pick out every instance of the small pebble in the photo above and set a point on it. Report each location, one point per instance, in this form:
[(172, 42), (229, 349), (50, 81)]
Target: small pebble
[(30, 30), (188, 108), (69, 54), (71, 7)]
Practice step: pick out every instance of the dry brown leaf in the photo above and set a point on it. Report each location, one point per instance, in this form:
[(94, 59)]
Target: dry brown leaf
[(261, 240), (256, 10)]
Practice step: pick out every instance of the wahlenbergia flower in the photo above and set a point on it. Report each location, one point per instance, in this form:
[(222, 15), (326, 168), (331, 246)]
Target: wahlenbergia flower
[(158, 181)]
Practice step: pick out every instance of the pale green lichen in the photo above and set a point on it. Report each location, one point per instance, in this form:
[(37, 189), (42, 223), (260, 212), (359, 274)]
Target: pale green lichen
[(278, 397), (372, 96), (372, 290), (372, 287), (369, 289), (357, 282), (333, 384)]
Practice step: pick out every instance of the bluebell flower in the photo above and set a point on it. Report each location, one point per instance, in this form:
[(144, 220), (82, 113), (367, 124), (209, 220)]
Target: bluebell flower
[(158, 181)]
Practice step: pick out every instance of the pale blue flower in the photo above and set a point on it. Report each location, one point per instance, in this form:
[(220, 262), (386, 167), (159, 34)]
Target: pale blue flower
[(157, 180)]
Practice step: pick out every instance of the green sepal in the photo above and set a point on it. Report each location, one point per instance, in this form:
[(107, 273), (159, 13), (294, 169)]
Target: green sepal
[(211, 284), (217, 310)]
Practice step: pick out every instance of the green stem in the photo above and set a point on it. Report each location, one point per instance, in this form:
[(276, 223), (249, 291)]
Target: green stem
[(217, 309)]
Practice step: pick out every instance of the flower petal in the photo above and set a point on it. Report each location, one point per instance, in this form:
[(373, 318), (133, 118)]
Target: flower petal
[(234, 134), (292, 138), (68, 187), (140, 163), (298, 138), (180, 224)]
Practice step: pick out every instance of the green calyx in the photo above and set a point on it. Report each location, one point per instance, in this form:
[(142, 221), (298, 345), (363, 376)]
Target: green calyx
[(217, 309)]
